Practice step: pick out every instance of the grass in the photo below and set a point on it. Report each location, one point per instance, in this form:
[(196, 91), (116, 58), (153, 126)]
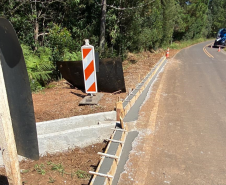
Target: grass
[(184, 44), (50, 86), (58, 167), (40, 169), (51, 180), (51, 172), (82, 174)]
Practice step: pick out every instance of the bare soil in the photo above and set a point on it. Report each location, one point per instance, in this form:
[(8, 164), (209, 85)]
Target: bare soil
[(61, 101), (68, 168)]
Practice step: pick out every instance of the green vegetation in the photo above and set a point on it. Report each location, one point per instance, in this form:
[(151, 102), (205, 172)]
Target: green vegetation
[(40, 169), (55, 30), (82, 174), (51, 169), (186, 43), (58, 167), (51, 180), (39, 66)]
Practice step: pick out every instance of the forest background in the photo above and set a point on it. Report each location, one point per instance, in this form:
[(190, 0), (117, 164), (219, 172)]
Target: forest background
[(54, 30)]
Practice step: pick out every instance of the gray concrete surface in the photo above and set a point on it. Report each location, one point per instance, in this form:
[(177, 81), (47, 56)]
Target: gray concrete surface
[(137, 88), (125, 155), (78, 131), (59, 125), (107, 162), (133, 113), (78, 137)]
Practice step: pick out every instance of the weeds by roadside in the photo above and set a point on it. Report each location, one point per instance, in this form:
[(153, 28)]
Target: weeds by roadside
[(184, 44), (51, 170)]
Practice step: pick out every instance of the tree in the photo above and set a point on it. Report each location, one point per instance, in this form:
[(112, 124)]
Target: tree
[(218, 11), (103, 25)]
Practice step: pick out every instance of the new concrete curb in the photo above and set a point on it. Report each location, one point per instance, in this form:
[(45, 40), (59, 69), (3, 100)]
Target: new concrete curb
[(131, 106), (59, 125), (134, 100), (78, 131), (78, 137)]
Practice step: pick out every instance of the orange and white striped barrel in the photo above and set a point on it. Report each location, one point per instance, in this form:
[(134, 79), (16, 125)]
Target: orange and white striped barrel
[(89, 68)]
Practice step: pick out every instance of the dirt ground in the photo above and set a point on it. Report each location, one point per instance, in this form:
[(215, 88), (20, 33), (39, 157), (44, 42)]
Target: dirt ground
[(68, 168), (59, 100)]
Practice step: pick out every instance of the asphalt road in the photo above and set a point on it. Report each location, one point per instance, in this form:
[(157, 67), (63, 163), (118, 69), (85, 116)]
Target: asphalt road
[(182, 125)]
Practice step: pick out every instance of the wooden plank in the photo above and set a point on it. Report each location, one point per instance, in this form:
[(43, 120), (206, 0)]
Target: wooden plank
[(124, 112), (122, 123), (119, 110), (7, 140), (115, 141), (123, 130), (108, 155), (102, 159), (101, 174), (115, 162), (137, 95)]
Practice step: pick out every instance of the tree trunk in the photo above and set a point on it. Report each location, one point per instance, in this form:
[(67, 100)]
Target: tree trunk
[(103, 25), (36, 31)]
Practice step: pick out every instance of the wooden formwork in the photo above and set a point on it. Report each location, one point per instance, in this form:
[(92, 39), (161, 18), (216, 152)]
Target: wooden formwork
[(110, 175), (140, 90), (121, 112)]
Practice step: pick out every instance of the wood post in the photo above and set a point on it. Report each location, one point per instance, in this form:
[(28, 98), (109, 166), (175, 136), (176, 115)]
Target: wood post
[(122, 123), (7, 140), (119, 110)]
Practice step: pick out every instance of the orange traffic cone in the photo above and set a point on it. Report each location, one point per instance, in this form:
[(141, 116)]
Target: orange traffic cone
[(167, 53), (219, 49)]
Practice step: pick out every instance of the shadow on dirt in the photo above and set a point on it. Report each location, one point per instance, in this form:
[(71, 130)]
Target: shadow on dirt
[(79, 95)]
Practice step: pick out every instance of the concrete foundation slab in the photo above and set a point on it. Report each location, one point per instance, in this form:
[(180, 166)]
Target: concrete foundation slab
[(91, 100)]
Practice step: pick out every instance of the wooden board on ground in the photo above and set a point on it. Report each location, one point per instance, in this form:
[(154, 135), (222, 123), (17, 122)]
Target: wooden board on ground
[(91, 100)]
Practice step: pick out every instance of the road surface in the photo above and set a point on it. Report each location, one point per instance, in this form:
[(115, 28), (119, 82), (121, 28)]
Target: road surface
[(182, 125)]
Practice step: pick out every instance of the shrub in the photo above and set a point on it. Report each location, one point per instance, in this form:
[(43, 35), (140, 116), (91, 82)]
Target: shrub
[(39, 66)]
